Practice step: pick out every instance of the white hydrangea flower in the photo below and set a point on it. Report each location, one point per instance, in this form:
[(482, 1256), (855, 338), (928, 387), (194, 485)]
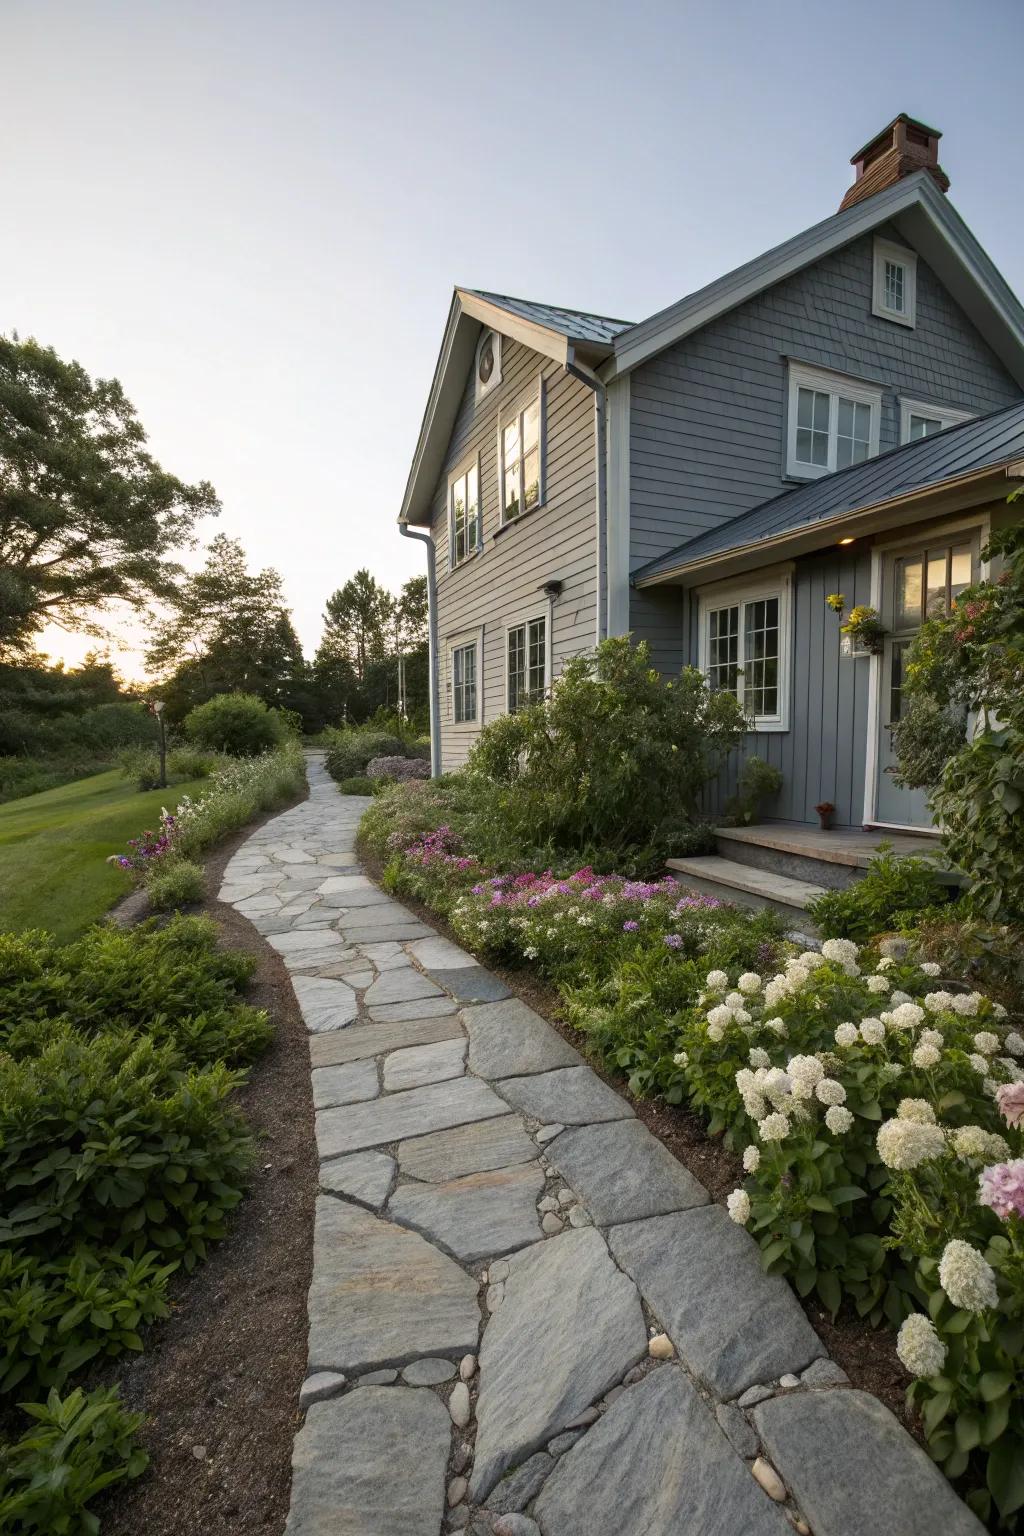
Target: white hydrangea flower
[(681, 1059), (776, 991), (886, 963), (773, 1127), (998, 1011), (720, 1017), (802, 1089), (838, 1119), (751, 1158), (926, 1056), (872, 1031), (974, 1141), (716, 1033), (919, 1346), (805, 1069), (776, 1084), (929, 967), (847, 1034), (716, 981), (979, 1063), (900, 997), (749, 983), (1014, 1043), (939, 1002), (966, 1003), (990, 1087), (916, 1109), (986, 1042), (759, 1058), (907, 1016), (734, 1000), (777, 1027), (904, 1144), (879, 984), (830, 1091), (840, 951), (932, 1037), (755, 1105), (738, 1206), (741, 1015), (966, 1277)]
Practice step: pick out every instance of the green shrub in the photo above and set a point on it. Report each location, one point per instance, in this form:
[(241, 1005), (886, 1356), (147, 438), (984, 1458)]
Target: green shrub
[(231, 798), (175, 883), (190, 763), (759, 781), (349, 751), (358, 786), (893, 892), (142, 765), (239, 724), (75, 1449)]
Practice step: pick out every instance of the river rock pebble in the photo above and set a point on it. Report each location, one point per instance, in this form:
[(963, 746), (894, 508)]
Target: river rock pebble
[(459, 1406), (457, 1491), (467, 1367), (765, 1474), (661, 1347), (321, 1385), (516, 1525), (552, 1224)]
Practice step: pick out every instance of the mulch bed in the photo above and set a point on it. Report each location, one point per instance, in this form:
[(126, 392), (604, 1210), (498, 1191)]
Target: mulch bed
[(866, 1354), (219, 1380)]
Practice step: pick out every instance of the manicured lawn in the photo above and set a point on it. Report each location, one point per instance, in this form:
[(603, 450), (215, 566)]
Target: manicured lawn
[(53, 847)]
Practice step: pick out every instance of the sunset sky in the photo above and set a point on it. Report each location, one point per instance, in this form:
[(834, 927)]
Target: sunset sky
[(253, 213)]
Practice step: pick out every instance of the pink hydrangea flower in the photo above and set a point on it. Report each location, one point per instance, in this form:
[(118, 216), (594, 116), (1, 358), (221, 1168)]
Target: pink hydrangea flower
[(1002, 1188), (1010, 1098)]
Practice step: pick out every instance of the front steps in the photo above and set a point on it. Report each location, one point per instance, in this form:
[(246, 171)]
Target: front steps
[(747, 886)]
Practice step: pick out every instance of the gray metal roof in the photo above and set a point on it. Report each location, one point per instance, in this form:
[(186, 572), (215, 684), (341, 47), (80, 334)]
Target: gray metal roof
[(973, 445), (574, 323)]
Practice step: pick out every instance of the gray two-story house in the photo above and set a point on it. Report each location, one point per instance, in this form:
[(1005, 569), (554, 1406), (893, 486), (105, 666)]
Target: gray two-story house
[(843, 414)]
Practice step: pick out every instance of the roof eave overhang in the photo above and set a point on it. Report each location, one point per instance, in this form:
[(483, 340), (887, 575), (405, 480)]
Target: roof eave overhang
[(927, 220), (956, 495), (469, 314)]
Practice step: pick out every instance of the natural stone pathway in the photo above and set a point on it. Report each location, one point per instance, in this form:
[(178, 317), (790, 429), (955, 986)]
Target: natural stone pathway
[(525, 1316)]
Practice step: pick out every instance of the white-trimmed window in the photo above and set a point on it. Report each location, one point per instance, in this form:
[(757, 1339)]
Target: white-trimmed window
[(744, 648), (464, 522), (526, 662), (918, 419), (465, 683), (833, 421), (894, 284), (521, 458)]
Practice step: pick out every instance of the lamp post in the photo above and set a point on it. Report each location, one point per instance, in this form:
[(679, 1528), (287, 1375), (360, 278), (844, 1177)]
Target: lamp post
[(156, 707)]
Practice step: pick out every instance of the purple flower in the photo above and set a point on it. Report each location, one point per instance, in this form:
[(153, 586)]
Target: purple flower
[(673, 940), (630, 926)]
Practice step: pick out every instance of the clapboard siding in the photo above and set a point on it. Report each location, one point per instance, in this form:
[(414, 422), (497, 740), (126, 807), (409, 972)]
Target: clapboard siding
[(501, 585), (823, 754), (707, 416)]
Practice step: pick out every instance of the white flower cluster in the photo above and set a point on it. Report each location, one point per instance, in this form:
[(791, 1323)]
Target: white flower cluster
[(903, 1144), (966, 1277), (774, 1127), (751, 1158), (974, 1141), (738, 1206), (840, 951), (919, 1346), (918, 1110)]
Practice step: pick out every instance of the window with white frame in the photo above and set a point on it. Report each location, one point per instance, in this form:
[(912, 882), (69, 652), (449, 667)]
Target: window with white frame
[(527, 658), (833, 422), (744, 649), (464, 512), (464, 683), (920, 420), (520, 459), (894, 285)]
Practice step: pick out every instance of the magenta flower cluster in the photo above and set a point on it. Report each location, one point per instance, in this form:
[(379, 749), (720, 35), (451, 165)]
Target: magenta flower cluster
[(1002, 1188), (440, 847), (531, 890), (149, 846)]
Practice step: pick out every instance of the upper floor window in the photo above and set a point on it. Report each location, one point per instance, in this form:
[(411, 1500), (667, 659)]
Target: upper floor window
[(520, 459), (464, 683), (527, 655), (894, 285), (833, 422), (464, 530), (744, 648), (920, 420)]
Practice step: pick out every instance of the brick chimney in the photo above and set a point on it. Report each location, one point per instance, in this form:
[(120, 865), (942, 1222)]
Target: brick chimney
[(902, 148)]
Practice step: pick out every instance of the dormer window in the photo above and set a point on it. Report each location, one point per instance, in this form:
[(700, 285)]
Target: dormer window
[(894, 290), (833, 422)]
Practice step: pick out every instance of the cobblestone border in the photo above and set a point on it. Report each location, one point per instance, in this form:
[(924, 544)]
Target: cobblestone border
[(525, 1315)]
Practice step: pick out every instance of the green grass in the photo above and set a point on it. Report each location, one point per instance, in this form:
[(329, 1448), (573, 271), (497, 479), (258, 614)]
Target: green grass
[(53, 847)]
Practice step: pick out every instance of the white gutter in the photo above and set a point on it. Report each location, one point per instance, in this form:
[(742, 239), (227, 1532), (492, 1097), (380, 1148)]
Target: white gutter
[(432, 674)]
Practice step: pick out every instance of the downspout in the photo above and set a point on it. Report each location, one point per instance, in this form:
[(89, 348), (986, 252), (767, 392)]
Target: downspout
[(588, 377), (435, 701)]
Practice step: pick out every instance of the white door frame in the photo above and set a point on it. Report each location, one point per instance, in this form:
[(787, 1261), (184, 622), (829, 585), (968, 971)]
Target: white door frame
[(980, 524)]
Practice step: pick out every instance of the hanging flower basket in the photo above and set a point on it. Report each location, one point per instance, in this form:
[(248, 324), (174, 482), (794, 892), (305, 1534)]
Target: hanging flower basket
[(863, 633)]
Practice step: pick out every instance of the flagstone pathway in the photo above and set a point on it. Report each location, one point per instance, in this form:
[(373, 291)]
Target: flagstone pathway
[(525, 1315)]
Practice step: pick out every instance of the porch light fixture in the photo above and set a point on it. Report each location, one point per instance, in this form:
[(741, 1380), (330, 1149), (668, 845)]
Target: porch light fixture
[(846, 541)]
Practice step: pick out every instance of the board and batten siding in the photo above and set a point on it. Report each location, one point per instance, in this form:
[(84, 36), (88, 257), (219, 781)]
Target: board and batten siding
[(501, 585), (823, 754), (708, 415)]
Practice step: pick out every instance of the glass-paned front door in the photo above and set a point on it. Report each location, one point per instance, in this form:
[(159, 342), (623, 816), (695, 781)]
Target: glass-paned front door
[(917, 584)]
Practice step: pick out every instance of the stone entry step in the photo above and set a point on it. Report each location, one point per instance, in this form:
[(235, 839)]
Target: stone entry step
[(725, 878)]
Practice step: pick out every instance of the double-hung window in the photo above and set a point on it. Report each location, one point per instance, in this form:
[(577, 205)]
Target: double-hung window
[(464, 683), (520, 459), (744, 649), (833, 422), (920, 420), (464, 512), (527, 655), (894, 283)]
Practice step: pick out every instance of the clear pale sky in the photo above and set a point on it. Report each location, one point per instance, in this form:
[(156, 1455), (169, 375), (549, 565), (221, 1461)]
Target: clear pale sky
[(254, 213)]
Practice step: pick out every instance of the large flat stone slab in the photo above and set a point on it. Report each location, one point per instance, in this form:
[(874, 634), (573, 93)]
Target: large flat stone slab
[(324, 1004), (732, 1324), (569, 1327), (497, 1143), (419, 1064), (853, 1468), (507, 1039), (441, 953), (406, 985), (470, 983), (570, 1096), (351, 1084), (371, 1463), (361, 1040), (295, 946), (433, 1108), (475, 1217), (382, 1295), (421, 1008), (623, 1173), (365, 1176), (657, 1462)]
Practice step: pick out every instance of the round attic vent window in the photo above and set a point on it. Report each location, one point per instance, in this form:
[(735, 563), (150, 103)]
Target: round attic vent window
[(485, 361)]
